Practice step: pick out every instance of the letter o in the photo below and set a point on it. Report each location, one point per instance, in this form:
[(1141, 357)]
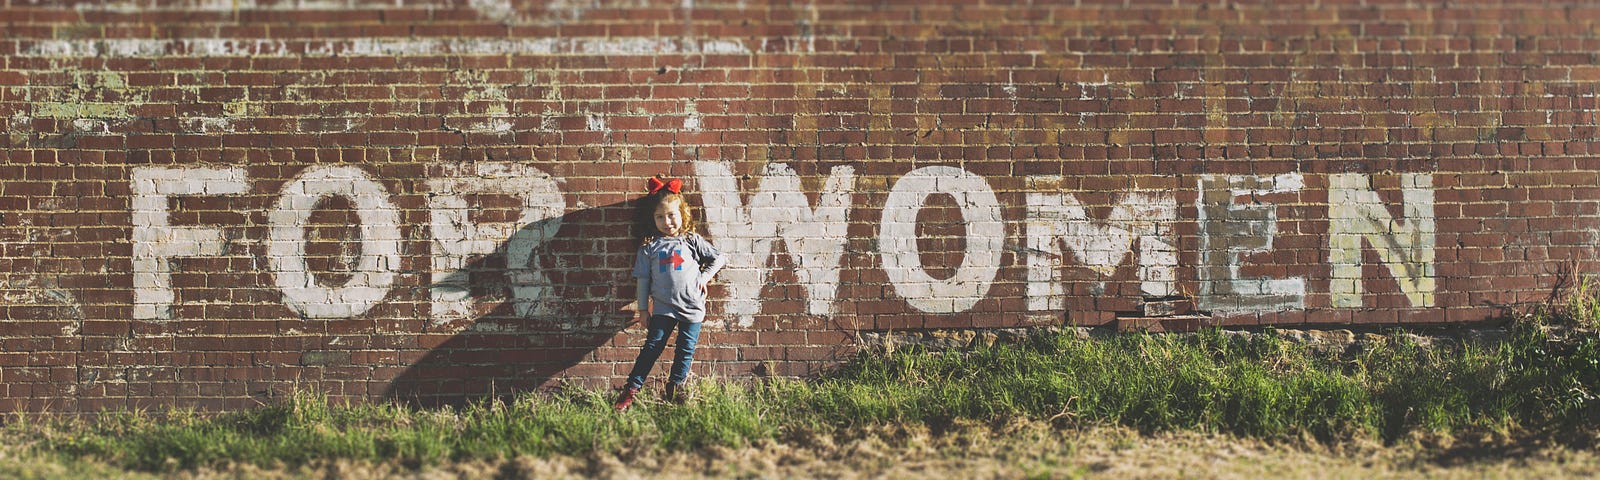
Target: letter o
[(380, 243), (902, 259)]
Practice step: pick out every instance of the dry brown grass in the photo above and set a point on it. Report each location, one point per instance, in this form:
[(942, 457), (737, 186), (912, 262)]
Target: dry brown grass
[(1018, 450)]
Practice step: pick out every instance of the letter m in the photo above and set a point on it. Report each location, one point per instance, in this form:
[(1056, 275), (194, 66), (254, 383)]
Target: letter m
[(1057, 220)]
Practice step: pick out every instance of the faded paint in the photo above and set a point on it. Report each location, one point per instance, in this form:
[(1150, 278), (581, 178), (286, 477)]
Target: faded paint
[(94, 94), (208, 124), (380, 242), (1405, 245), (156, 241), (485, 108), (779, 210), (1234, 224), (596, 123), (19, 128), (456, 238), (223, 47), (561, 11), (79, 110), (691, 116), (134, 6), (1231, 230), (92, 126), (501, 10), (1056, 219), (897, 239)]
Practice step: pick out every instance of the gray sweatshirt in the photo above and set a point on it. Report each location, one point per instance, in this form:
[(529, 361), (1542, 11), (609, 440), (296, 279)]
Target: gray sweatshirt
[(670, 271)]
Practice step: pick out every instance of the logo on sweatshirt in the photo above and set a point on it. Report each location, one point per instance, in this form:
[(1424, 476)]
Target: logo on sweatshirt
[(675, 260)]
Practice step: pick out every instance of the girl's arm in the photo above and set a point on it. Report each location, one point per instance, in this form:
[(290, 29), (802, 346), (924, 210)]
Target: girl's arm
[(641, 272), (717, 263), (644, 296), (718, 260)]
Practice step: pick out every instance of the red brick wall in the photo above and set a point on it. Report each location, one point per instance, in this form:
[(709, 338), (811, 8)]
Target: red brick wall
[(209, 203)]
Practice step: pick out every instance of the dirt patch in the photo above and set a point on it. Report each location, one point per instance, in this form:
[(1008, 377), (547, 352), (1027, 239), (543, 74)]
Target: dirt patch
[(1010, 451)]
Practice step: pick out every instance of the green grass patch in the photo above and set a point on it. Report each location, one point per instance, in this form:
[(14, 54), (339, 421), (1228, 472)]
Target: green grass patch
[(1575, 302), (1530, 384)]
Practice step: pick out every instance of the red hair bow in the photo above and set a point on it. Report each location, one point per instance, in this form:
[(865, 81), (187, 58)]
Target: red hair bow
[(673, 185)]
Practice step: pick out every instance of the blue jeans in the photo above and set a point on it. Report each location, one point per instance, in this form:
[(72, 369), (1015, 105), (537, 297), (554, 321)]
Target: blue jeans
[(656, 340)]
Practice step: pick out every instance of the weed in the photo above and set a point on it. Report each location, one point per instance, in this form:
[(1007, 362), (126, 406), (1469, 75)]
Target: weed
[(1582, 306), (1263, 386)]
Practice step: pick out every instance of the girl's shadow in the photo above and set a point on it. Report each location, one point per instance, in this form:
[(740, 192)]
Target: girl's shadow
[(583, 275)]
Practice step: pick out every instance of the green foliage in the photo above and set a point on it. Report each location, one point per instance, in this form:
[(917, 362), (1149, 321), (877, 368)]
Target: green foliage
[(1258, 385), (1210, 382), (1578, 306)]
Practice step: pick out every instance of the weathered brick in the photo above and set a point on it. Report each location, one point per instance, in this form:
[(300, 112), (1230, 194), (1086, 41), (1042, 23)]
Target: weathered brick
[(1105, 107)]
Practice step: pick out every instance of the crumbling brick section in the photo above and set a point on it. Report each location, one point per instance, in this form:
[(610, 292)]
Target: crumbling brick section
[(211, 204)]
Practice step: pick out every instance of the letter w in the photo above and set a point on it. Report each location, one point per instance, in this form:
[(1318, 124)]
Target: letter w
[(779, 210)]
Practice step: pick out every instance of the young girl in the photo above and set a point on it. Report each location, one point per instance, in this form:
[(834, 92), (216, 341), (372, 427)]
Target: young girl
[(673, 267)]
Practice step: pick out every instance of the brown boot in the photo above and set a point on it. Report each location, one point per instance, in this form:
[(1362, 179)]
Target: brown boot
[(626, 399), (677, 394)]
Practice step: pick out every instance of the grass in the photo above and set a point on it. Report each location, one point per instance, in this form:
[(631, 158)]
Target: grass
[(1574, 303), (1530, 385)]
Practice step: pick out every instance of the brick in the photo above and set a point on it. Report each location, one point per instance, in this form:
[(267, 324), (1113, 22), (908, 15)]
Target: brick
[(1500, 123)]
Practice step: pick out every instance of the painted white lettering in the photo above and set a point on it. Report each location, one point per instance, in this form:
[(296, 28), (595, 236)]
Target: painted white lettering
[(814, 237), (1229, 231), (1405, 246), (985, 237), (456, 237), (380, 242), (155, 240), (1056, 219)]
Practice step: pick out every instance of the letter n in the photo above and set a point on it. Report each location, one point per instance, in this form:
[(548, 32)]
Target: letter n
[(1405, 246)]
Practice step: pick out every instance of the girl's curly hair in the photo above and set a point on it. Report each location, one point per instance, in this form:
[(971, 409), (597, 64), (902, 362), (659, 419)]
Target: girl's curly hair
[(645, 224)]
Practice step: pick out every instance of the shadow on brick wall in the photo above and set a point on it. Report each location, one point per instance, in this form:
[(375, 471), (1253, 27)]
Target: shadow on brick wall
[(501, 349)]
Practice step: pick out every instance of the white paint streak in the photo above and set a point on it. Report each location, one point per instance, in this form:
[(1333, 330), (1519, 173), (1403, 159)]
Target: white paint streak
[(156, 241), (691, 119), (91, 125), (209, 124), (380, 242), (1056, 219), (897, 239), (596, 123), (457, 238), (222, 47), (20, 127), (486, 108), (814, 237), (1405, 246), (721, 47), (492, 9), (1085, 87), (547, 121), (1011, 86), (567, 10), (135, 6), (501, 10), (497, 125), (1285, 183)]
